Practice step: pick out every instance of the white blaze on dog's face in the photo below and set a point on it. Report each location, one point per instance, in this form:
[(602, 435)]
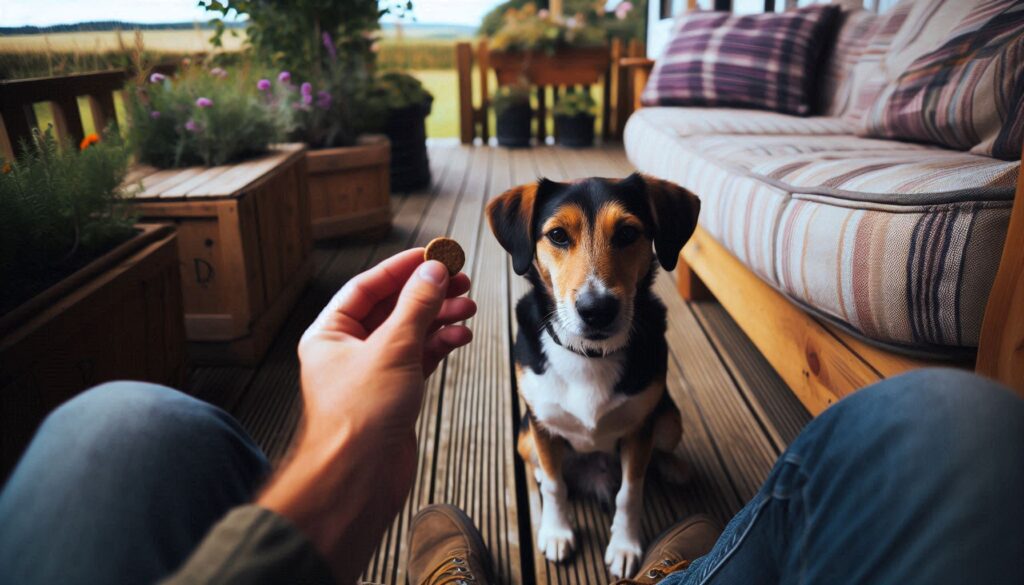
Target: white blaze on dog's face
[(588, 244)]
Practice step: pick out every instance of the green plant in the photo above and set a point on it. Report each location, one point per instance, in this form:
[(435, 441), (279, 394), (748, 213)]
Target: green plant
[(575, 103), (60, 207), (398, 90), (201, 116), (525, 27), (509, 96)]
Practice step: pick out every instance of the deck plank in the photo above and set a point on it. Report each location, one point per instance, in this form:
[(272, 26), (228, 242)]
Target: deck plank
[(737, 415)]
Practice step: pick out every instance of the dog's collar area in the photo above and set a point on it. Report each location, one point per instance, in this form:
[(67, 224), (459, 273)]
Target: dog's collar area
[(590, 353)]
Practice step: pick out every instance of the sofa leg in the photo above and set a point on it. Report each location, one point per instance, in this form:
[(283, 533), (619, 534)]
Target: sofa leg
[(690, 286)]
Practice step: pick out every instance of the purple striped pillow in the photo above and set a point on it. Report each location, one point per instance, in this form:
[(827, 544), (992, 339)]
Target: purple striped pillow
[(968, 94), (762, 61)]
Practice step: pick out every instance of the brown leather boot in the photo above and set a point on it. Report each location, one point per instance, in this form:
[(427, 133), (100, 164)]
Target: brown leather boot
[(445, 548), (675, 549)]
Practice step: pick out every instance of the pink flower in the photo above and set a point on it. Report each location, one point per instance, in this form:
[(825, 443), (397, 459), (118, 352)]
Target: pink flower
[(543, 14), (263, 84), (623, 10), (307, 99), (218, 72), (192, 126), (306, 89), (329, 45), (157, 78), (155, 114), (284, 77), (204, 102)]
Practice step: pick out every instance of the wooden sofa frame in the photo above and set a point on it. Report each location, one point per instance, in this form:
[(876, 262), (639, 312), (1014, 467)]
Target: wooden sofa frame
[(820, 362)]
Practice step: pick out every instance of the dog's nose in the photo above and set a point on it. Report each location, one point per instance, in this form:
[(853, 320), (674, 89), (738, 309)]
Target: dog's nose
[(597, 310)]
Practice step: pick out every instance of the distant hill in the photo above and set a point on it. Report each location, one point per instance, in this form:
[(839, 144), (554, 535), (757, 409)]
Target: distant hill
[(411, 29)]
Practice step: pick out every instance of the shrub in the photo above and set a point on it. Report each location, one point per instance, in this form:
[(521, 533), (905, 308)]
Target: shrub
[(523, 27), (201, 116), (575, 103), (60, 207), (509, 96)]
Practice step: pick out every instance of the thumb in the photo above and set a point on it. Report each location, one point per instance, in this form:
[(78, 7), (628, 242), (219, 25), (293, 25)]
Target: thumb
[(420, 301)]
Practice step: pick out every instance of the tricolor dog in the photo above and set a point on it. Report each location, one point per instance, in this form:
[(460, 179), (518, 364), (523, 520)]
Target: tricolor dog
[(591, 355)]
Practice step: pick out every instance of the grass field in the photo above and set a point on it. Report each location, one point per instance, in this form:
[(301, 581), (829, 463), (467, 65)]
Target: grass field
[(174, 41)]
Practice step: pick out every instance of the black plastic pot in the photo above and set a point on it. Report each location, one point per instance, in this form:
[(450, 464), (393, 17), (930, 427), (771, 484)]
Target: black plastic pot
[(514, 123), (406, 128), (575, 131)]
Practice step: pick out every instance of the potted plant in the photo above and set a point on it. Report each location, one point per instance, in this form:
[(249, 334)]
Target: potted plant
[(331, 45), (88, 295), (204, 139), (512, 106), (574, 119), (407, 104)]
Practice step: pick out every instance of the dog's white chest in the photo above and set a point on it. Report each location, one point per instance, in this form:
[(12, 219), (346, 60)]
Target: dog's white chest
[(575, 396)]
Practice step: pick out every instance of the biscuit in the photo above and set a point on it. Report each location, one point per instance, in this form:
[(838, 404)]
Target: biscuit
[(447, 252)]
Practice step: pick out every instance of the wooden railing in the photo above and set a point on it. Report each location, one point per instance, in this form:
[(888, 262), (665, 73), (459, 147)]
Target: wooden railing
[(19, 97), (544, 72)]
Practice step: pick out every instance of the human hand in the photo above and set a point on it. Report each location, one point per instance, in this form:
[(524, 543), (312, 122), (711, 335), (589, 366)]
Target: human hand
[(363, 365)]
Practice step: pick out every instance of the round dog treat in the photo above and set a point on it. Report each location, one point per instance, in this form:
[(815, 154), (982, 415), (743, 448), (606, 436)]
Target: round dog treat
[(447, 252)]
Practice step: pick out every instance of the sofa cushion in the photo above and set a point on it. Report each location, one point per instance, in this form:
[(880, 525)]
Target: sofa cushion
[(967, 93), (910, 276), (718, 121), (856, 28), (897, 242), (906, 31), (765, 61)]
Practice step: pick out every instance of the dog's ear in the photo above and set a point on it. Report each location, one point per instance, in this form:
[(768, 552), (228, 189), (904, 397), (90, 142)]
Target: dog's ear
[(511, 216), (675, 212)]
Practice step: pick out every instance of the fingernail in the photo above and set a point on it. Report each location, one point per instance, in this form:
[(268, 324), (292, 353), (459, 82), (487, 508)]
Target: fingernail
[(432, 271)]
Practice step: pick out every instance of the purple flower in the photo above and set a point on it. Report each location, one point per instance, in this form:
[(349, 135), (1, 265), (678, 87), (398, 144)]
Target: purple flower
[(204, 102), (191, 126), (623, 9), (218, 72), (263, 84), (306, 89), (307, 99), (157, 78), (155, 114), (329, 45), (284, 77), (323, 100)]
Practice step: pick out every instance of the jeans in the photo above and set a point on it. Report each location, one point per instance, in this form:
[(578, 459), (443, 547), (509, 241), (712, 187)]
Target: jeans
[(917, 479)]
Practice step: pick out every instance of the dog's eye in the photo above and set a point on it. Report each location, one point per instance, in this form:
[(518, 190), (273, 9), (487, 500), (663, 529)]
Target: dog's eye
[(625, 235), (558, 237)]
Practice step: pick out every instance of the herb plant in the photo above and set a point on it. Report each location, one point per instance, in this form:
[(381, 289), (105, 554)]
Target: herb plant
[(509, 96), (60, 207), (201, 116), (575, 103)]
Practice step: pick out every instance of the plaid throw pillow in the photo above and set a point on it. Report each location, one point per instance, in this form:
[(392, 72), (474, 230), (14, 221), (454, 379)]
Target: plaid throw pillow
[(762, 61), (968, 94)]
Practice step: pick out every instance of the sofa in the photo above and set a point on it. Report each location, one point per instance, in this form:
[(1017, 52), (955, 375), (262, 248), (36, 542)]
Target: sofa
[(847, 258)]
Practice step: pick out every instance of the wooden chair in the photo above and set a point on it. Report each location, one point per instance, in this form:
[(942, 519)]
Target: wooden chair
[(820, 362)]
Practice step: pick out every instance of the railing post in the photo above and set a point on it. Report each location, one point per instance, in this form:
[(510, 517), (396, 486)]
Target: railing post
[(463, 61), (484, 66), (103, 112), (68, 119)]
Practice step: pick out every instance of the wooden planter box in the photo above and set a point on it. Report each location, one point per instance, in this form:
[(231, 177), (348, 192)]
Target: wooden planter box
[(118, 317), (573, 66), (349, 189), (245, 247)]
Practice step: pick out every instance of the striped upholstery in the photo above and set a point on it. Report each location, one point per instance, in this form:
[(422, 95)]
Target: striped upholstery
[(698, 121), (856, 28), (898, 242), (763, 61), (966, 94)]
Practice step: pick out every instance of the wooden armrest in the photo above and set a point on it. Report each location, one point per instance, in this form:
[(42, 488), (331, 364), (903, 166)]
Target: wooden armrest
[(641, 62)]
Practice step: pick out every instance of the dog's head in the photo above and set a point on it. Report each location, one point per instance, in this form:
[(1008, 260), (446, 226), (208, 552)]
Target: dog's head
[(590, 242)]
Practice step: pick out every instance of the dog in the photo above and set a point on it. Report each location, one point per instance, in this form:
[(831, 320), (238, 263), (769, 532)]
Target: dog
[(590, 354)]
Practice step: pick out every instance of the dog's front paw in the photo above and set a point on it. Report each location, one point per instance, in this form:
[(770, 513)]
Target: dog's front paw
[(623, 555), (556, 542)]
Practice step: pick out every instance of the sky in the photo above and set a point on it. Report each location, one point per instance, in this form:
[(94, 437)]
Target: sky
[(50, 12)]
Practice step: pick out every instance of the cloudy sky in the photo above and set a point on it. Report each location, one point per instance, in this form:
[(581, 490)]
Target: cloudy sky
[(48, 12)]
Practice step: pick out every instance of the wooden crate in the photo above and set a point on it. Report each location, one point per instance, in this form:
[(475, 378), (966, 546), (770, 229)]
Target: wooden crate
[(245, 246), (119, 317), (349, 189)]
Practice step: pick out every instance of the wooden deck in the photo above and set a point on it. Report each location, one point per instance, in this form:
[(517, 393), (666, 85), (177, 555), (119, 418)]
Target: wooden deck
[(737, 414)]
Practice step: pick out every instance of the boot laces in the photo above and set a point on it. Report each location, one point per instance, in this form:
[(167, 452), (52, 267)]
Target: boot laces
[(453, 570), (656, 572)]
